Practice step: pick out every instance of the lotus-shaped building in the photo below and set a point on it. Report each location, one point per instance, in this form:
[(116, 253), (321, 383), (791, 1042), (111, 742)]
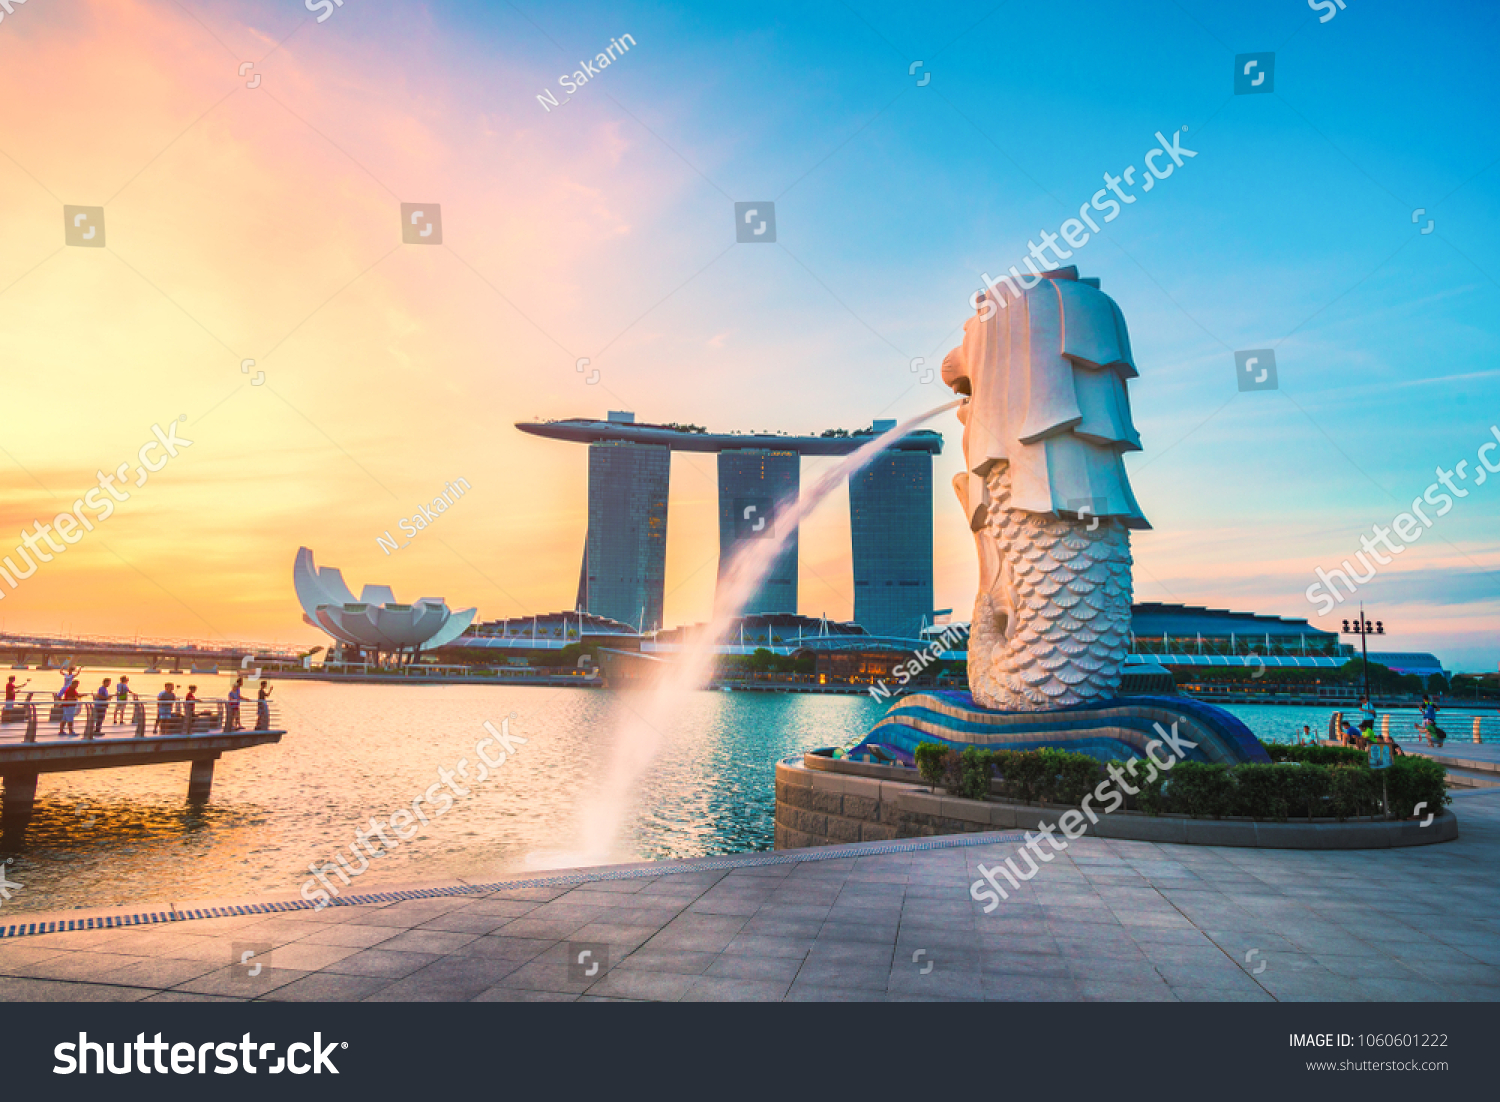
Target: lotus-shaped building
[(376, 621)]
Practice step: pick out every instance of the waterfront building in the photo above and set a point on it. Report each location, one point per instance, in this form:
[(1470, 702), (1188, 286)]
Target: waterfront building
[(753, 482), (625, 546), (890, 528)]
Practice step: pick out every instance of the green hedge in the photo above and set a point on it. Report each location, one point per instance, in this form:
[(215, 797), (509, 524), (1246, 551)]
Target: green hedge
[(1316, 755), (1344, 787)]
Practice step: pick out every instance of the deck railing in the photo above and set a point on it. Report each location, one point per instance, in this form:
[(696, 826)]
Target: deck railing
[(135, 718)]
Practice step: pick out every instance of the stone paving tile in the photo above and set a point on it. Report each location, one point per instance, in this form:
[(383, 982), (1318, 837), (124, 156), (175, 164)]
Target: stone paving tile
[(74, 966), (382, 962), (782, 930), (190, 997), (999, 987), (499, 947), (519, 995), (161, 972), (617, 887), (855, 952), (740, 967), (1257, 994), (355, 936), (655, 986), (236, 983), (870, 933), (759, 946), (78, 939), (730, 989), (802, 991), (845, 974), (145, 943), (1027, 964), (541, 929), (1131, 991), (957, 978), (447, 980), (506, 908), (427, 941), (328, 987), (465, 922), (535, 975), (675, 960), (18, 990), (309, 958)]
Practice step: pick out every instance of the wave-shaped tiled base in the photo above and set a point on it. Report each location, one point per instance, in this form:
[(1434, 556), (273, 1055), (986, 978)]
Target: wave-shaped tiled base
[(1120, 728)]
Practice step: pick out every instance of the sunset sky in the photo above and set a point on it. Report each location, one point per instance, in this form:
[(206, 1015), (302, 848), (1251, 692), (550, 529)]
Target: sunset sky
[(264, 223)]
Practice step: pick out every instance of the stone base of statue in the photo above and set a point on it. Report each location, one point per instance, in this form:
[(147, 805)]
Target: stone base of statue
[(1121, 729)]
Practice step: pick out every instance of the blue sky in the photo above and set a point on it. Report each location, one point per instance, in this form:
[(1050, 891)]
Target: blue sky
[(1292, 230)]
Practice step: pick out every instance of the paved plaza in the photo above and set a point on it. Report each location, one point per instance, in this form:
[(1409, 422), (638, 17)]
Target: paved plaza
[(1114, 921)]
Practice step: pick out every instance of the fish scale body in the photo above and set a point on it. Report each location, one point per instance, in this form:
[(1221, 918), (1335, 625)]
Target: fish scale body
[(1054, 629)]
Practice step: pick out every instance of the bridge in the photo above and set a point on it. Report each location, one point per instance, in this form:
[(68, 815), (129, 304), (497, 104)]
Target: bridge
[(200, 655)]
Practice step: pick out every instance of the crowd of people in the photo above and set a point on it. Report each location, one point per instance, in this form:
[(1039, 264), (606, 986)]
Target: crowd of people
[(172, 715), (1364, 735)]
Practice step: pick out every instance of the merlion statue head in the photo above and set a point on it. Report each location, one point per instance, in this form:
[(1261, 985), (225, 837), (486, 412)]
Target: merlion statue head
[(1045, 491)]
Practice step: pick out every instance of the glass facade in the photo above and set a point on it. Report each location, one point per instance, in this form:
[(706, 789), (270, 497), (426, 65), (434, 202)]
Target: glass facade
[(890, 527), (625, 553), (752, 482)]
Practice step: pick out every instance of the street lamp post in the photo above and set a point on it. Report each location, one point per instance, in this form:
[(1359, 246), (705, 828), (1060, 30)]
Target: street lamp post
[(1364, 629)]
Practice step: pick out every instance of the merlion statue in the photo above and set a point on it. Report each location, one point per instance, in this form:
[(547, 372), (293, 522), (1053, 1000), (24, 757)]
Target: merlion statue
[(1044, 488)]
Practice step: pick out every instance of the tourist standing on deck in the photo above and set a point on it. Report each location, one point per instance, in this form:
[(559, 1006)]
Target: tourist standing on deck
[(1367, 712), (98, 710), (232, 713), (164, 701), (263, 707), (69, 698), (122, 692), (189, 709)]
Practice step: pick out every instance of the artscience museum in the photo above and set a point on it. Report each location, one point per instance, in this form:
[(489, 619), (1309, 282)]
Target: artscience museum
[(375, 623)]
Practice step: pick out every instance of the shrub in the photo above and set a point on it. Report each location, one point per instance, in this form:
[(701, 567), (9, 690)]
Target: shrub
[(1316, 755), (1152, 795), (975, 766), (1345, 787), (1413, 780), (1307, 790), (1202, 790), (929, 757), (1353, 790), (1261, 791)]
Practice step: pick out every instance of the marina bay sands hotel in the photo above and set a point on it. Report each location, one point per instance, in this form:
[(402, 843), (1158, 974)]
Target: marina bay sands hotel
[(625, 551)]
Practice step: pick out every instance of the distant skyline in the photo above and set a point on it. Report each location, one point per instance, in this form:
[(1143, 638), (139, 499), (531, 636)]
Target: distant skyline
[(252, 164)]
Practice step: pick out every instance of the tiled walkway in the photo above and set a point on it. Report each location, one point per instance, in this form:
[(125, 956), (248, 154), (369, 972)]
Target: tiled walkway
[(1102, 921)]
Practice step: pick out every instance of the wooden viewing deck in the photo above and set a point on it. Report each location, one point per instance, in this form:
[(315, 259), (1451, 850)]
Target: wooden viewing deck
[(30, 742)]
